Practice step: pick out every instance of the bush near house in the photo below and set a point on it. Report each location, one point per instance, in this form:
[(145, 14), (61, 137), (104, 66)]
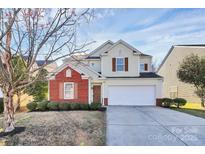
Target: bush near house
[(84, 106), (42, 106), (64, 106), (95, 106), (179, 102), (74, 106), (53, 106), (31, 106), (166, 102), (45, 105)]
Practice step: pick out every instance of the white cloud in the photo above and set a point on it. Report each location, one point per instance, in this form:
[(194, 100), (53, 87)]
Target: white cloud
[(180, 28)]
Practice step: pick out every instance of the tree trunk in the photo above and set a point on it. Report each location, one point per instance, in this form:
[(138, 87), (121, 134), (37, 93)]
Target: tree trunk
[(202, 102), (8, 111), (18, 103)]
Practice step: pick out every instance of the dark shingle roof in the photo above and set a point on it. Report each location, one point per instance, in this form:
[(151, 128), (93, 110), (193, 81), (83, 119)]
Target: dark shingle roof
[(142, 75), (149, 75), (142, 54), (92, 57), (41, 62), (194, 45)]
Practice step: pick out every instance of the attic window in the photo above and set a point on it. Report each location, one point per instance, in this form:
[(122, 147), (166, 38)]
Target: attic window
[(68, 73), (143, 67)]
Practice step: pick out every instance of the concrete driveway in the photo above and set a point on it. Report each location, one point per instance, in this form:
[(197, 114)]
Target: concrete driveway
[(153, 126)]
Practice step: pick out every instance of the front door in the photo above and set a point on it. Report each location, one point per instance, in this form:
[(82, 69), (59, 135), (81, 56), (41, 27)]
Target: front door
[(97, 93)]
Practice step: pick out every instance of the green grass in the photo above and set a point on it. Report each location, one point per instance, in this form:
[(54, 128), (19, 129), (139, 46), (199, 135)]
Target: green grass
[(194, 109)]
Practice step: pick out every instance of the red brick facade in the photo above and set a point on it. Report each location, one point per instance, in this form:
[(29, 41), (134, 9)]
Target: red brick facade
[(56, 87)]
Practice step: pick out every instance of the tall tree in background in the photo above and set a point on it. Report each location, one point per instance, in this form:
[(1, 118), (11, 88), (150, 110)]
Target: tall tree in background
[(30, 34), (39, 89), (18, 64), (192, 71)]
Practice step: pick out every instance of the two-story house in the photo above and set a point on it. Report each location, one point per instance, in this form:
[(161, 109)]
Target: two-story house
[(113, 74)]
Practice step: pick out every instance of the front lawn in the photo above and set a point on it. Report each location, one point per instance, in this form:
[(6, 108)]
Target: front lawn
[(194, 109), (57, 128)]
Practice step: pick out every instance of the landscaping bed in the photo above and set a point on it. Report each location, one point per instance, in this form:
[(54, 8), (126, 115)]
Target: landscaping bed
[(194, 109), (194, 112), (181, 105), (58, 128)]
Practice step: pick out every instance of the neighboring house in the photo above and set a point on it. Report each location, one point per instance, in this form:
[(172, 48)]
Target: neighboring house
[(113, 74), (172, 87)]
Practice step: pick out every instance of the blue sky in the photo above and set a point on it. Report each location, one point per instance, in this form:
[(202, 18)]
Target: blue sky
[(152, 31)]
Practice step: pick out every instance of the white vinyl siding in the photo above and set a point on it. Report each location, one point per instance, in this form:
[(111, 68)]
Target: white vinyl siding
[(68, 90)]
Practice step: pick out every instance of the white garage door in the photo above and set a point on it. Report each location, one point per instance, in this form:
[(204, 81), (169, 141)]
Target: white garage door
[(131, 95)]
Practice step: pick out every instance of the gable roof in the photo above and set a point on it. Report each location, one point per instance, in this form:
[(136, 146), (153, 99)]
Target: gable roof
[(101, 46), (173, 46), (125, 44), (79, 67), (165, 58), (136, 51)]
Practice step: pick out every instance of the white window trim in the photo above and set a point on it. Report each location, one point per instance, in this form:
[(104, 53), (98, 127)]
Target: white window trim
[(122, 64), (72, 83), (70, 73)]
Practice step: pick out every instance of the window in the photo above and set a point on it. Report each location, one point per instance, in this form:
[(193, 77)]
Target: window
[(68, 73), (120, 64), (173, 91), (143, 67), (68, 90)]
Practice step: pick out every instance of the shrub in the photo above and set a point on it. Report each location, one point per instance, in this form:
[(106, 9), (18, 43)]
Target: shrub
[(179, 102), (166, 102), (102, 109), (1, 105), (84, 106), (52, 106), (95, 106), (64, 106), (31, 106), (74, 106), (42, 106)]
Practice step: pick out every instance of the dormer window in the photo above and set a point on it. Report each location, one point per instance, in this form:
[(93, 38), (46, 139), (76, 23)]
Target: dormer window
[(68, 73), (143, 67), (120, 64)]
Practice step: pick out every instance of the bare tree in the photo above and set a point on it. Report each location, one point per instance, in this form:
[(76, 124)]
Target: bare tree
[(32, 34)]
